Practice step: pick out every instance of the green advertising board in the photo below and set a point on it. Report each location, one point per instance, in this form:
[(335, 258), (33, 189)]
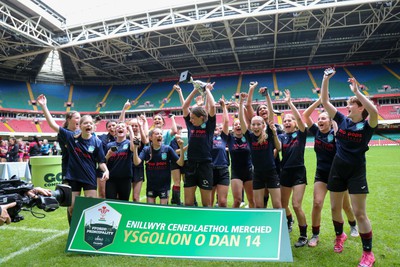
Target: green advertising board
[(125, 228)]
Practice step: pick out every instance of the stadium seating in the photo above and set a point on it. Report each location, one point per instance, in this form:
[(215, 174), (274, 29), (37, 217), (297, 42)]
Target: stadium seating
[(119, 95), (3, 128), (86, 98), (375, 78), (154, 96), (389, 112), (14, 95), (57, 95), (22, 125), (338, 86), (298, 82)]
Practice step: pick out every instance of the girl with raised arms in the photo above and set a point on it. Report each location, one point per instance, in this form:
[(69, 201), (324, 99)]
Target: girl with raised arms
[(84, 149), (348, 170)]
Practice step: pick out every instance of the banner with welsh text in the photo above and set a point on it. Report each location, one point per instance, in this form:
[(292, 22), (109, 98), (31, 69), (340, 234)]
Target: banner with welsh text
[(125, 228)]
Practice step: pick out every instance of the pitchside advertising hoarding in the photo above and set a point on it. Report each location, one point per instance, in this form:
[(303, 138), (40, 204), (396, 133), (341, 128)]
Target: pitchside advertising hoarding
[(124, 228)]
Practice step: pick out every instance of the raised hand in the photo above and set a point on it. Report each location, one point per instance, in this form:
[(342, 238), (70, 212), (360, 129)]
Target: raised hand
[(353, 84), (329, 72), (177, 88), (253, 85), (210, 86), (180, 143), (41, 100), (287, 95), (127, 105), (243, 96)]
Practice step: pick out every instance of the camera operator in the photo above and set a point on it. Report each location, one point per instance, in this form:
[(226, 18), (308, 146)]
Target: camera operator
[(33, 193)]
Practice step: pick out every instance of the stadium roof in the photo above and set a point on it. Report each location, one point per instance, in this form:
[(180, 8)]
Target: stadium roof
[(207, 38)]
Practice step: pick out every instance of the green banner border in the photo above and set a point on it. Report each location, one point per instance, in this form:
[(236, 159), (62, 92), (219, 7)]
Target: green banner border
[(223, 244)]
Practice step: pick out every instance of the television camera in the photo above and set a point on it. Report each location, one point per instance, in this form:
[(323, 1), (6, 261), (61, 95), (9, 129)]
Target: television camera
[(16, 190)]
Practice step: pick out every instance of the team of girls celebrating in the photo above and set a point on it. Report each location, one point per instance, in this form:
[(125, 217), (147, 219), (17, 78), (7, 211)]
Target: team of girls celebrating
[(254, 158)]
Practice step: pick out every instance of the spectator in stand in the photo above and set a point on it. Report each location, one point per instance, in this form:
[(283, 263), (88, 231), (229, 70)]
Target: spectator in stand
[(348, 170), (13, 148), (3, 150), (325, 148), (45, 148)]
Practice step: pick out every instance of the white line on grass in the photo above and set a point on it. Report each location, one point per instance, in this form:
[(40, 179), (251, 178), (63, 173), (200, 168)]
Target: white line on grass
[(30, 229), (21, 251)]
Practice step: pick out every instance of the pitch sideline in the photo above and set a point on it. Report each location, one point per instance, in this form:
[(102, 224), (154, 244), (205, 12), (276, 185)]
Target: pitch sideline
[(34, 246)]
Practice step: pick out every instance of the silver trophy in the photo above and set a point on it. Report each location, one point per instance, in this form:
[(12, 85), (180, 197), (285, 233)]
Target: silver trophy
[(187, 77)]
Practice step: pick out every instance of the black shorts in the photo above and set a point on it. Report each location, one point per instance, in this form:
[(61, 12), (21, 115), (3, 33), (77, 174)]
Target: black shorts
[(348, 176), (182, 169), (77, 186), (155, 193), (321, 176), (293, 176), (265, 179), (244, 174), (175, 166), (199, 174), (99, 173), (221, 176), (138, 174)]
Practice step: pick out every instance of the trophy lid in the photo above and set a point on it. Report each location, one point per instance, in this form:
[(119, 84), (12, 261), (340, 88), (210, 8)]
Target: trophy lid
[(186, 77)]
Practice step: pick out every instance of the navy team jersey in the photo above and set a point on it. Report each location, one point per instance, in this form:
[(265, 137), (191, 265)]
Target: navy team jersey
[(239, 151), (293, 145), (175, 146), (200, 139), (352, 139), (324, 147), (64, 153), (105, 139), (83, 156), (218, 152), (120, 163), (262, 155), (158, 170)]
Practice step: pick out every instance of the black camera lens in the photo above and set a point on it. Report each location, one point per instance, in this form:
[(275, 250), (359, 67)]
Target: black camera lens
[(63, 194)]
